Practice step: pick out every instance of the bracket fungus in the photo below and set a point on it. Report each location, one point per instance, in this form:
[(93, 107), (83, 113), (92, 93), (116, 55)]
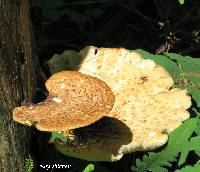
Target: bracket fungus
[(116, 103), (75, 100), (145, 103)]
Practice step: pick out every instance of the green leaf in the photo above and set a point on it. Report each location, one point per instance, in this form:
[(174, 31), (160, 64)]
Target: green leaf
[(56, 135), (197, 131), (189, 71), (29, 164), (194, 144), (89, 168), (181, 2), (195, 168), (180, 141)]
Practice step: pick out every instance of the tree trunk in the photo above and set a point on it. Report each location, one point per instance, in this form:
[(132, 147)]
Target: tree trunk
[(17, 80)]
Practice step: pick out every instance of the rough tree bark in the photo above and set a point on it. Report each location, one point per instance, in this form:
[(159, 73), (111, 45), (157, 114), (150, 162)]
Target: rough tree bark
[(17, 80)]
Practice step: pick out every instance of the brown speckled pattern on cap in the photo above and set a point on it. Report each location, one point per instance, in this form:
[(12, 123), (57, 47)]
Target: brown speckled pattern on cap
[(75, 100)]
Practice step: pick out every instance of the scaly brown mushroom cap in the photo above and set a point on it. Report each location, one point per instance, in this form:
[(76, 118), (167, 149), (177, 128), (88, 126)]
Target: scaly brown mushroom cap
[(75, 100), (144, 102)]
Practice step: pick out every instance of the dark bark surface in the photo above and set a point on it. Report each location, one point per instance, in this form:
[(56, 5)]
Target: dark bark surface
[(17, 80)]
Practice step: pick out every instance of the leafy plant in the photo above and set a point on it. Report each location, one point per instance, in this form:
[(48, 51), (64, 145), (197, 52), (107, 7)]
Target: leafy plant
[(29, 164), (188, 168), (89, 168), (180, 141)]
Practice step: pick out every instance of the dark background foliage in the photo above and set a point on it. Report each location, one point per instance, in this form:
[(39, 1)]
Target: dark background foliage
[(156, 26), (61, 25)]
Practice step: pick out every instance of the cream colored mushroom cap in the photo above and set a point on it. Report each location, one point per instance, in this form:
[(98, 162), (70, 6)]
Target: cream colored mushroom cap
[(75, 100), (144, 102)]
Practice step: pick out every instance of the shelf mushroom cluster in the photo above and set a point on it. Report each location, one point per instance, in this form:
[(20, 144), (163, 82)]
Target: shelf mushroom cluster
[(116, 103)]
